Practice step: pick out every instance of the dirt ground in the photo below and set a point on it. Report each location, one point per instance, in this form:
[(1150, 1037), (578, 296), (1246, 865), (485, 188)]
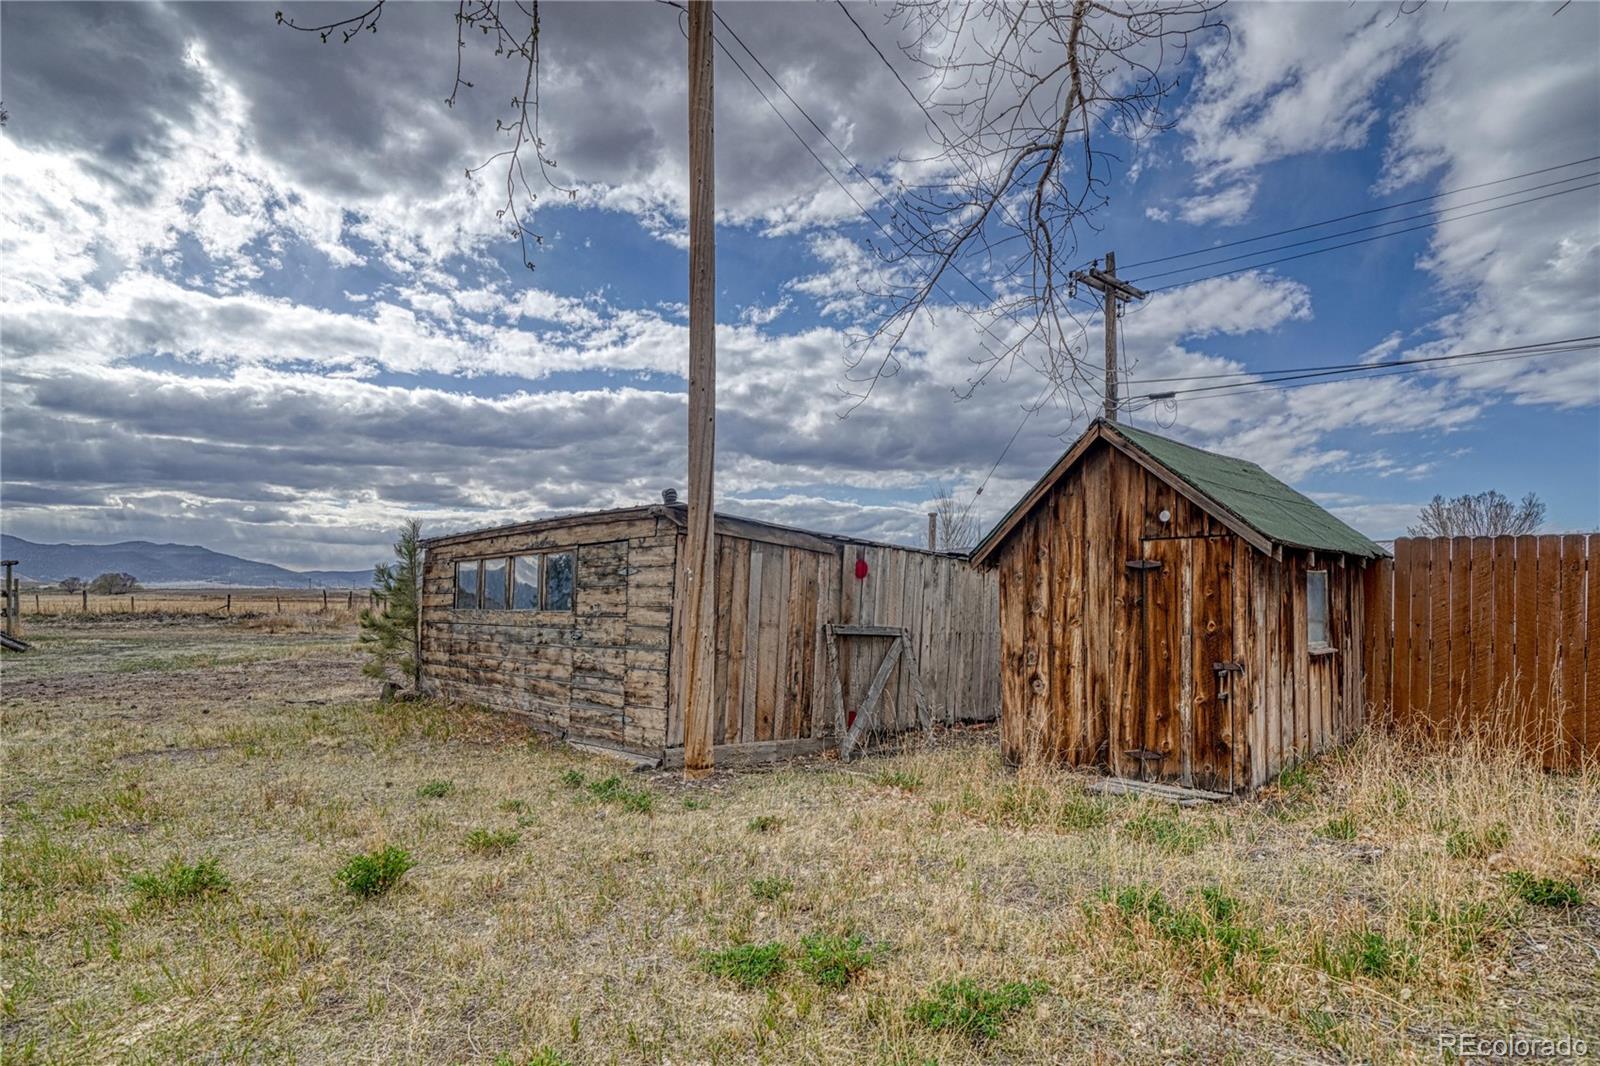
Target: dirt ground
[(179, 795)]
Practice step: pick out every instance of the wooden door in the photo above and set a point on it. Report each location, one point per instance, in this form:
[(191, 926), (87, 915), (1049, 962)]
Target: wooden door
[(1153, 747), (1182, 719)]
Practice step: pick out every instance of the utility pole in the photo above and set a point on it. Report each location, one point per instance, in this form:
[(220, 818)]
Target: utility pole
[(1113, 289), (698, 562)]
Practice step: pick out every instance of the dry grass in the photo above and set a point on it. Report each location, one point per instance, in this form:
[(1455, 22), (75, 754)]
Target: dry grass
[(922, 906)]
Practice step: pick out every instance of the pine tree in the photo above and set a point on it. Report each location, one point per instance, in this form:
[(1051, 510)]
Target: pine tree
[(390, 632)]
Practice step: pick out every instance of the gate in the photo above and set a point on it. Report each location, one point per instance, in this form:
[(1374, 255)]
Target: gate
[(852, 720)]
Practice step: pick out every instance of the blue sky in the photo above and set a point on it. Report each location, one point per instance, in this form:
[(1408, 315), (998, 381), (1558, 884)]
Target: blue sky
[(250, 301)]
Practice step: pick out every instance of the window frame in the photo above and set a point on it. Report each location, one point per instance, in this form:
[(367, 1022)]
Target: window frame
[(544, 582), (1325, 644), (483, 583), (538, 582), (477, 585)]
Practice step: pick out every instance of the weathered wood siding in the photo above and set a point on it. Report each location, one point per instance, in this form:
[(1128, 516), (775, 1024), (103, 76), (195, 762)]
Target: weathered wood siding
[(1494, 635), (604, 672), (598, 672), (772, 601), (950, 610), (1114, 623)]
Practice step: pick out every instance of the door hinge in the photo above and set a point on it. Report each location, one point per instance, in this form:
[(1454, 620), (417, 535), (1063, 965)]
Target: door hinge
[(1144, 564)]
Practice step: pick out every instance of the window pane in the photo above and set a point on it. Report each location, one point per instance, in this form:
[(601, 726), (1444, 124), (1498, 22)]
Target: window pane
[(1317, 607), (467, 584), (558, 581), (525, 583), (494, 584)]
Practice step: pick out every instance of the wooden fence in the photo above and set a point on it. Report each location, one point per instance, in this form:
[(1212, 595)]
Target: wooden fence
[(44, 603), (1491, 633)]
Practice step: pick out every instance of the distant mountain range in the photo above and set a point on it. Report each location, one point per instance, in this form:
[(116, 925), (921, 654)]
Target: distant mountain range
[(165, 564)]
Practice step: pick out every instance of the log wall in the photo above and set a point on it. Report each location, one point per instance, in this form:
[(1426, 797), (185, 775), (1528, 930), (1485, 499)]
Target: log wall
[(596, 673)]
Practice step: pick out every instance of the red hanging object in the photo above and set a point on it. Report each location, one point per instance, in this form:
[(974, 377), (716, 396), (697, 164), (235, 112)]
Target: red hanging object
[(861, 569)]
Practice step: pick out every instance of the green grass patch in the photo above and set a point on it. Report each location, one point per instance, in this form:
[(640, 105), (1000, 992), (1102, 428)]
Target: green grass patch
[(1463, 929), (1340, 828), (748, 965), (1363, 953), (771, 889), (492, 841), (572, 778), (974, 1010), (1082, 813), (1477, 844), (436, 789), (374, 873), (543, 1057), (1211, 930), (1544, 891), (1167, 830), (903, 780), (612, 790), (834, 961), (764, 823), (178, 881)]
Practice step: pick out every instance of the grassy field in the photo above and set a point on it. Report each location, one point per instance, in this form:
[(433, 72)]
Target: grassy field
[(218, 846)]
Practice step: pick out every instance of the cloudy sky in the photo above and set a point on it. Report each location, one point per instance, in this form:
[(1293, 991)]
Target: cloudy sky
[(249, 298)]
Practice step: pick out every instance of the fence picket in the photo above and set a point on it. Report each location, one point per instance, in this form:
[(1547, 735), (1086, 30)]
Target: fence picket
[(1493, 633)]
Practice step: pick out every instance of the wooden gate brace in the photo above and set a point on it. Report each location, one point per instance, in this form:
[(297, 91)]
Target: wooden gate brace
[(868, 714)]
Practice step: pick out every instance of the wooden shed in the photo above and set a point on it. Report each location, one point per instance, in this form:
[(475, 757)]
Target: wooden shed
[(821, 640), (1171, 614)]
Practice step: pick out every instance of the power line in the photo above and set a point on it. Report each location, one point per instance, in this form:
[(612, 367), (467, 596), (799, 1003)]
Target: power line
[(1365, 240), (1361, 366), (893, 211), (1392, 373), (1359, 214), (1434, 213), (874, 46), (1571, 344)]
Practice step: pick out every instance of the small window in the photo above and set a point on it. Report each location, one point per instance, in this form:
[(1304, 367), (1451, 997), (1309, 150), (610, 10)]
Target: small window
[(525, 583), (494, 584), (1317, 608), (467, 585), (558, 571)]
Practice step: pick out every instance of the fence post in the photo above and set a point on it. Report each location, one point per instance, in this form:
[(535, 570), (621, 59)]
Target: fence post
[(131, 608), (230, 603), (324, 601), (280, 603), (85, 600), (350, 600)]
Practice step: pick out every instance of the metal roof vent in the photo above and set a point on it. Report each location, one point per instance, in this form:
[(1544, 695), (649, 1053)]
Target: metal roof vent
[(669, 497)]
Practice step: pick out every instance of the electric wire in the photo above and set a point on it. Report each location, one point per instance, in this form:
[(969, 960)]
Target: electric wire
[(1378, 369), (1402, 371), (1435, 214), (1359, 214), (1362, 366), (1363, 240)]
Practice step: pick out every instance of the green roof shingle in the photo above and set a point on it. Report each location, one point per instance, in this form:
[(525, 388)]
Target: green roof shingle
[(1253, 496)]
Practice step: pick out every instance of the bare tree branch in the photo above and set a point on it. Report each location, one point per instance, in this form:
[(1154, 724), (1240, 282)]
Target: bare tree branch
[(517, 40), (1021, 97)]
